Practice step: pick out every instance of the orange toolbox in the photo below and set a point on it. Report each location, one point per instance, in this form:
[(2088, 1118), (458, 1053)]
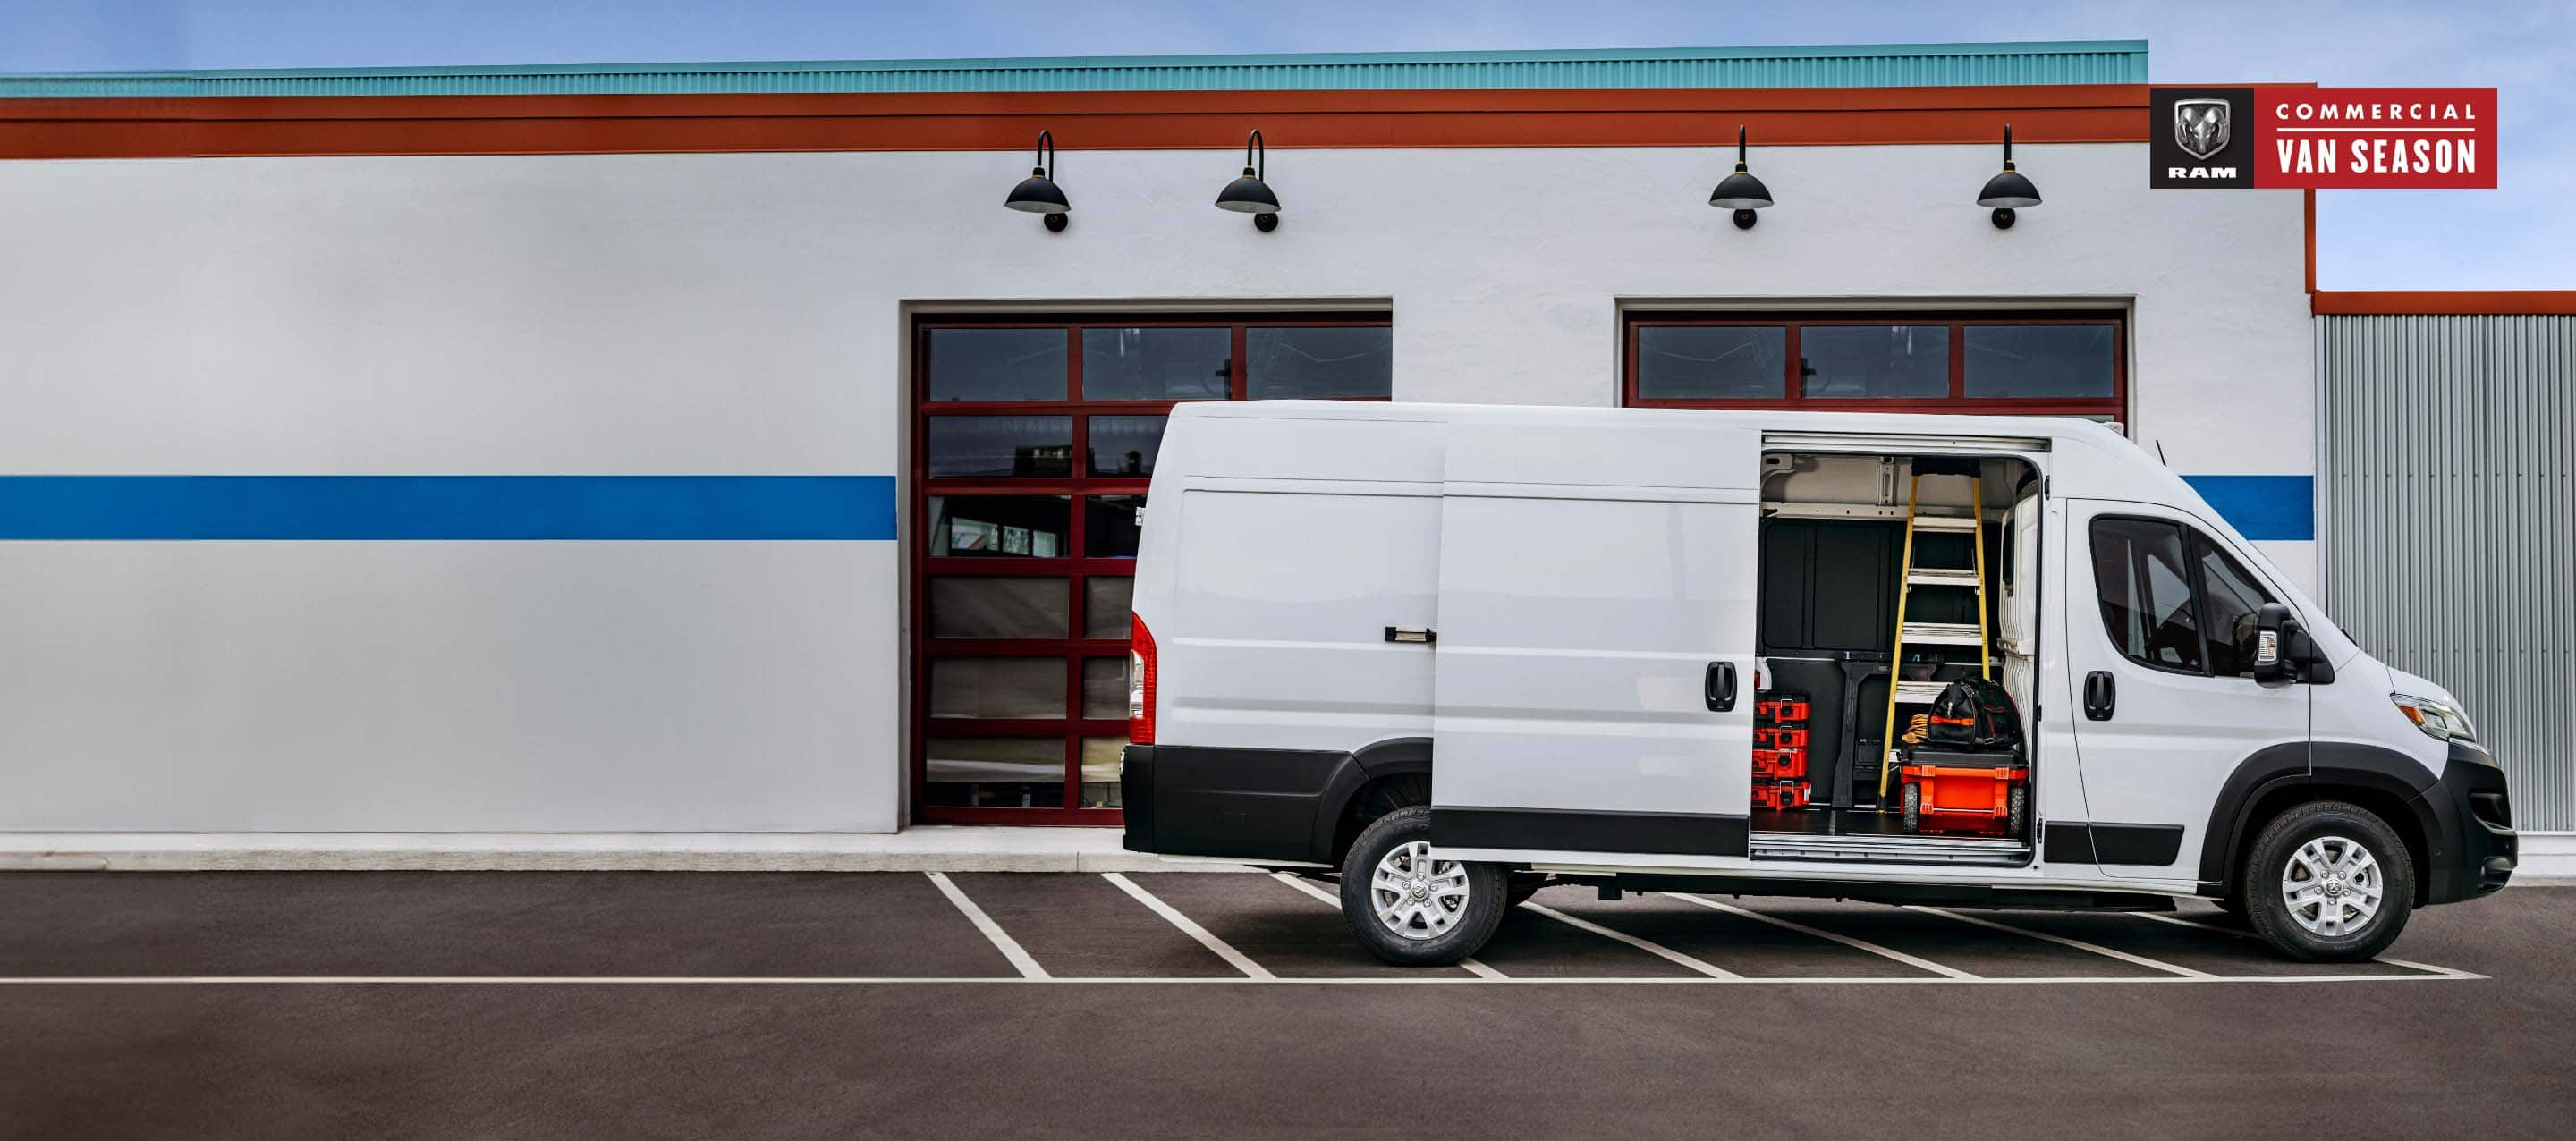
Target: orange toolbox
[(1979, 793), (1772, 737), (1780, 794), (1780, 763), (1783, 711)]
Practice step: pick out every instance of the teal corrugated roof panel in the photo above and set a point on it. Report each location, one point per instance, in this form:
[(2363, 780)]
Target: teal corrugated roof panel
[(1864, 65)]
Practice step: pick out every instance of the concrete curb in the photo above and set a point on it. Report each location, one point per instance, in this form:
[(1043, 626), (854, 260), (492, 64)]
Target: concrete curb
[(912, 850)]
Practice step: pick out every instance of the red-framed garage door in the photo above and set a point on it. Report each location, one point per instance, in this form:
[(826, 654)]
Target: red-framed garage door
[(1033, 439)]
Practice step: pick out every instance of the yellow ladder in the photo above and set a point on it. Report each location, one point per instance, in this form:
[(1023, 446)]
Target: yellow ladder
[(1900, 691)]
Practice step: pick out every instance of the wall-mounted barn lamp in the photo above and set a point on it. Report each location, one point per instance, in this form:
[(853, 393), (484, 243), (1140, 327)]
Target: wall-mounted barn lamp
[(1249, 194), (1038, 193), (2008, 191), (1740, 191)]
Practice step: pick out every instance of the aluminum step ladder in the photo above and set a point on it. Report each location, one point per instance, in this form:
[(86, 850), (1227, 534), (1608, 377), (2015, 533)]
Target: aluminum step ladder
[(1922, 634)]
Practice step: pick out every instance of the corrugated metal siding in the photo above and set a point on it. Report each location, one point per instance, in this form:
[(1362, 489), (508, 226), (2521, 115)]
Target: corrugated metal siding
[(1909, 65), (2449, 522)]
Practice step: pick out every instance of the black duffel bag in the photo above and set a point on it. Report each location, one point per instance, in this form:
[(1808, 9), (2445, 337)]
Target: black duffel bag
[(1974, 713)]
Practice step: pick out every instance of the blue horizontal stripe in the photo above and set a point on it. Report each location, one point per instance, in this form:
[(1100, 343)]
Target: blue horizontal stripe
[(454, 507), (2262, 506)]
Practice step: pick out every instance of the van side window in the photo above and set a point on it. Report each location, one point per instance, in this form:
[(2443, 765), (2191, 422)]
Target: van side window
[(2229, 600), (2144, 581)]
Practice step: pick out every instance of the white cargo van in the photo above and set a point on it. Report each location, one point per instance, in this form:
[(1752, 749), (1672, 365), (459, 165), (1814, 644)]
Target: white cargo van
[(1454, 653)]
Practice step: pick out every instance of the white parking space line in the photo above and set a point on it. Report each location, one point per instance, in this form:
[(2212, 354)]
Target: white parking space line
[(1657, 950), (1190, 927), (2445, 972), (1002, 941), (1915, 961), (2063, 941), (1473, 967), (2178, 921)]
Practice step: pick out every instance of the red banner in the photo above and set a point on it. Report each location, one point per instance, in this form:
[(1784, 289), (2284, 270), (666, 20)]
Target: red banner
[(2375, 138)]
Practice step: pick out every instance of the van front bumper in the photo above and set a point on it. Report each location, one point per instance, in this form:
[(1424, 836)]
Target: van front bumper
[(2475, 844)]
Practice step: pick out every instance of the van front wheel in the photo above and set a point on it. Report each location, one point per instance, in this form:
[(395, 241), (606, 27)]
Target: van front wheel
[(1411, 909), (2328, 882)]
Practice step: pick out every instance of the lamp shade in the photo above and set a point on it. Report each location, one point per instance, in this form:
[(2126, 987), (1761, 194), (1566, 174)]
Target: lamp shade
[(1038, 194), (1740, 191), (1248, 195), (2010, 190)]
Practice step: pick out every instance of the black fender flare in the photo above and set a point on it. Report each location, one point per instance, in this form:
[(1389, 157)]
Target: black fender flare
[(2323, 763), (1391, 757)]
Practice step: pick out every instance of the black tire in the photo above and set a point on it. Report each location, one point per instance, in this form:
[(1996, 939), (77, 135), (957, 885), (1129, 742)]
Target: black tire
[(1913, 807), (1488, 887), (2260, 884), (1524, 885), (2017, 812)]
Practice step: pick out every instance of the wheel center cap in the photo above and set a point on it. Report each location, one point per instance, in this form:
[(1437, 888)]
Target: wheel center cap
[(1420, 891), (2334, 885)]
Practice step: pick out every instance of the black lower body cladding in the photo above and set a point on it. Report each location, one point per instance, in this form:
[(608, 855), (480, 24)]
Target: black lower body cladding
[(1252, 804)]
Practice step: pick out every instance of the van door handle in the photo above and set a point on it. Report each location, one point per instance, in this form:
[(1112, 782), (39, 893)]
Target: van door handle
[(1721, 687), (2100, 696)]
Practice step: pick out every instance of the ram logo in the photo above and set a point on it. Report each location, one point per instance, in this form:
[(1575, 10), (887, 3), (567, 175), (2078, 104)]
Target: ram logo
[(2200, 126)]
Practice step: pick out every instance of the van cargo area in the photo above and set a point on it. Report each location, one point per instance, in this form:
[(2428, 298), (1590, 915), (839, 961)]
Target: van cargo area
[(1838, 559)]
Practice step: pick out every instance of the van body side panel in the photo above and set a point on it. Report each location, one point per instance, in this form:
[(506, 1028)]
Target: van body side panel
[(1282, 602), (1581, 628)]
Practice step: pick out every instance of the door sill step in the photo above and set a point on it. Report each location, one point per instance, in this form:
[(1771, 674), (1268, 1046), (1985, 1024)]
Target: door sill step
[(1891, 849)]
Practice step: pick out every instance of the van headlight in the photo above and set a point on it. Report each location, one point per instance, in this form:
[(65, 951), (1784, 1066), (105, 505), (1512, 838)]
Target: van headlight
[(2439, 720)]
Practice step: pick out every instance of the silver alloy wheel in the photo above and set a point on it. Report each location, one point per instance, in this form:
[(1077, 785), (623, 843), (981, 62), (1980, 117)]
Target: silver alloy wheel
[(1416, 896), (2333, 885)]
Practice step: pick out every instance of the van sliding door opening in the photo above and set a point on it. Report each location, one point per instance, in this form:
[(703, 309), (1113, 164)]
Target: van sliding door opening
[(1885, 578)]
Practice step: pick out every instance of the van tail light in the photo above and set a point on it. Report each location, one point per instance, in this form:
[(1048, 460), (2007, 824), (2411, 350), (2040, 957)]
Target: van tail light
[(1140, 685)]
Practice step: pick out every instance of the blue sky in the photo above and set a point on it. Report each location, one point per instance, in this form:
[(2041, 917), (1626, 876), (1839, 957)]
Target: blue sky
[(2521, 236)]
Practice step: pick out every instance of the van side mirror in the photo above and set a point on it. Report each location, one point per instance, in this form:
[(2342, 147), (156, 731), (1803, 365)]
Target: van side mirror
[(2274, 631)]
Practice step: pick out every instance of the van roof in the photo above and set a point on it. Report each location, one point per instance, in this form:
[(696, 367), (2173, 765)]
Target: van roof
[(2051, 428)]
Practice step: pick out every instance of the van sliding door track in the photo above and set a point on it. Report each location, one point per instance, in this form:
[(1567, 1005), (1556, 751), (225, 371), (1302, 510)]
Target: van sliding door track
[(1891, 849)]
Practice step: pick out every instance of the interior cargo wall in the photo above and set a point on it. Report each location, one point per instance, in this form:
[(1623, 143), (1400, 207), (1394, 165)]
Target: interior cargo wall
[(1827, 612)]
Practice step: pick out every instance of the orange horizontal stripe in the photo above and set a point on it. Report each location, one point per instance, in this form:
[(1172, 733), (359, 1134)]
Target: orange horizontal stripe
[(2559, 302), (1084, 120)]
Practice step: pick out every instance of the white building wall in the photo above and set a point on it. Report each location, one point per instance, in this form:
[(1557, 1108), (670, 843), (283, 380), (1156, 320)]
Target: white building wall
[(744, 314)]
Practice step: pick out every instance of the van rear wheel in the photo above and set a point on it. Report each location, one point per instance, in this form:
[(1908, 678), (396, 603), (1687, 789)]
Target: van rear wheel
[(2328, 882), (1410, 908)]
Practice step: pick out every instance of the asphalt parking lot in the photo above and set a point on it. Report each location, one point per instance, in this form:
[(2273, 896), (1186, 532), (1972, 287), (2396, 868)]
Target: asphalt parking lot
[(1190, 1004)]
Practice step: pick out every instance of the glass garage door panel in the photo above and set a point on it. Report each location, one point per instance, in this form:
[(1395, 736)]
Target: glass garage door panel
[(1740, 362), (1875, 361), (2042, 360), (1033, 446)]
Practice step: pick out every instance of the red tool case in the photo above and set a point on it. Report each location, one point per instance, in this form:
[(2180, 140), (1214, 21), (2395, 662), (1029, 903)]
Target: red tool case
[(1780, 750), (1964, 791), (1788, 764), (1778, 737)]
